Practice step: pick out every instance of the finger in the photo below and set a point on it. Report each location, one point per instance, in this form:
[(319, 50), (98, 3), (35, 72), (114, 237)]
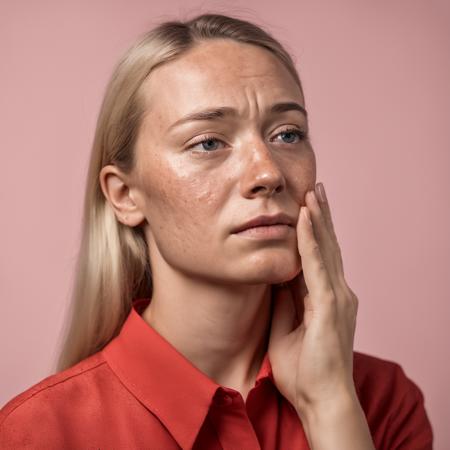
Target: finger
[(328, 245), (314, 269), (326, 212), (325, 207), (331, 253)]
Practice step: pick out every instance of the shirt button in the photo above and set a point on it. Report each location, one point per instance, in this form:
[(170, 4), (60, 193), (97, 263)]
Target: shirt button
[(223, 400)]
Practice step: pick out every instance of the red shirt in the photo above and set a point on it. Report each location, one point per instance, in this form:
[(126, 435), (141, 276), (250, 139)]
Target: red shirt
[(139, 392)]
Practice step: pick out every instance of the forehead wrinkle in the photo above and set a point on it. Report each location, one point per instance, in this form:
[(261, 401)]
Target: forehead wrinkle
[(239, 68), (251, 94)]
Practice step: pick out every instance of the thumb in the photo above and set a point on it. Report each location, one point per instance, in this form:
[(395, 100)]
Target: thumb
[(283, 315)]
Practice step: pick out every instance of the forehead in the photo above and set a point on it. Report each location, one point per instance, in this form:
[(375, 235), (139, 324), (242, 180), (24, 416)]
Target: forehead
[(218, 72)]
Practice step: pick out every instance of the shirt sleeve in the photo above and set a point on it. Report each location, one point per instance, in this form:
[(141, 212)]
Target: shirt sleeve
[(409, 427)]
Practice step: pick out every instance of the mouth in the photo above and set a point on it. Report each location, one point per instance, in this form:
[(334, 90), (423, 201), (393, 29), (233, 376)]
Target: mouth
[(275, 231), (266, 221)]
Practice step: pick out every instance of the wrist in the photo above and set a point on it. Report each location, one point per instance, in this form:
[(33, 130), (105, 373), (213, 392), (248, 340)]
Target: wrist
[(343, 402), (339, 423)]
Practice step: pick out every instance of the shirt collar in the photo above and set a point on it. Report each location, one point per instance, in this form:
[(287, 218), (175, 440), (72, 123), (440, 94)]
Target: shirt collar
[(161, 378)]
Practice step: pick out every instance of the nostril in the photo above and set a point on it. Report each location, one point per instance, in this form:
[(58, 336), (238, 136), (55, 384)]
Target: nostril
[(271, 191)]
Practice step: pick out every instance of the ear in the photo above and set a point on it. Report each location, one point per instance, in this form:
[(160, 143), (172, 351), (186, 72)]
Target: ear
[(115, 187)]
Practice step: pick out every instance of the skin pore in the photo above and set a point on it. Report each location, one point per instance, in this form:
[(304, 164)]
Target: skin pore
[(211, 288)]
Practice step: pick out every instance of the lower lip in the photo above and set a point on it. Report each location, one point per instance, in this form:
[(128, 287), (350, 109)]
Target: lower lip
[(266, 232)]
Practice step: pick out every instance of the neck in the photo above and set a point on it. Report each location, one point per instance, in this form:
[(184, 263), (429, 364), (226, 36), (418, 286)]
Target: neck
[(222, 329)]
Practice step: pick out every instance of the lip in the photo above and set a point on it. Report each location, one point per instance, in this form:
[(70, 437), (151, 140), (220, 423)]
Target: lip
[(264, 221), (279, 231)]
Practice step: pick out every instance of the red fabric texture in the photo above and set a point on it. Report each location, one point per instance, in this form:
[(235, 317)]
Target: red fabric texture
[(139, 392)]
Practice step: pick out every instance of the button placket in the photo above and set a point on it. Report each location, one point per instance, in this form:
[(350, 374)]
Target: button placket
[(231, 422)]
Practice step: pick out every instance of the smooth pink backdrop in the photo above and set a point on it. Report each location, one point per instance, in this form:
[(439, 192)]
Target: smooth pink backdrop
[(376, 77)]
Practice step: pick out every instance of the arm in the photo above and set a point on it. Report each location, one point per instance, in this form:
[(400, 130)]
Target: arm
[(340, 425)]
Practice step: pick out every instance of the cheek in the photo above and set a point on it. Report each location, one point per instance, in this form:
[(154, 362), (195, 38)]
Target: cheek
[(182, 221), (181, 210), (301, 176)]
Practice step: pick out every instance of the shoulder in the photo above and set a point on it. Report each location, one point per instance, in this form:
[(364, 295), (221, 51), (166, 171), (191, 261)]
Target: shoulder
[(51, 387), (393, 403), (41, 408), (372, 372), (379, 377)]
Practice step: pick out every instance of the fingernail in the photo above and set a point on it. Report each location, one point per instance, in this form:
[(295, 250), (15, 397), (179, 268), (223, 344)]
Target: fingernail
[(320, 191)]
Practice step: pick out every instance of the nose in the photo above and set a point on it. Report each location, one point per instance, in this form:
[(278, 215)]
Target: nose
[(261, 175)]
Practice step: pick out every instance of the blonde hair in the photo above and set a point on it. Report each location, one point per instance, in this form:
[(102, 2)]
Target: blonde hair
[(112, 265)]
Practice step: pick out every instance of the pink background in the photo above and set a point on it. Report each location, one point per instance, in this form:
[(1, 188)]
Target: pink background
[(376, 77)]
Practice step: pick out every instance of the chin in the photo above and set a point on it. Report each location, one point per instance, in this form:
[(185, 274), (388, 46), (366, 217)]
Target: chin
[(269, 269)]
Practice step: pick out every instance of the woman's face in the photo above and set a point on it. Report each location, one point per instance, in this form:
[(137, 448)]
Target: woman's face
[(194, 194)]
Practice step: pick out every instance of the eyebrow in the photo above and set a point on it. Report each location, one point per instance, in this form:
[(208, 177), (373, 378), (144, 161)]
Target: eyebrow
[(224, 111)]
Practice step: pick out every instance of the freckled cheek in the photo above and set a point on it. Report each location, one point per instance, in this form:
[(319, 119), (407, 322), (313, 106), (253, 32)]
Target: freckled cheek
[(183, 206), (301, 177)]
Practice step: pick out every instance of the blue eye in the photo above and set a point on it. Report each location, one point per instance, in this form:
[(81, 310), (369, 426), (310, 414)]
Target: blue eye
[(206, 140), (302, 135), (209, 141)]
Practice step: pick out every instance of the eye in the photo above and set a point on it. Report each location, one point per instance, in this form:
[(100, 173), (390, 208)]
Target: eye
[(301, 135), (211, 141), (208, 140)]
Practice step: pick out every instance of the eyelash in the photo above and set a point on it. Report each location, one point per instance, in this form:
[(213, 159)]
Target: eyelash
[(302, 135)]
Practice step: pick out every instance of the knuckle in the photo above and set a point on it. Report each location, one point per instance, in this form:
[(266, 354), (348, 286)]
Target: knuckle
[(329, 296), (353, 304), (348, 301), (315, 248), (343, 281)]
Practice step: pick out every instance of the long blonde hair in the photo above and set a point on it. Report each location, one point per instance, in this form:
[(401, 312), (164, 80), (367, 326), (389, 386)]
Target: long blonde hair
[(112, 265)]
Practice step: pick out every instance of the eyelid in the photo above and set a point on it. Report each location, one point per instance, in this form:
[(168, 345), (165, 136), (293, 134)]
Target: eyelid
[(205, 137), (302, 133)]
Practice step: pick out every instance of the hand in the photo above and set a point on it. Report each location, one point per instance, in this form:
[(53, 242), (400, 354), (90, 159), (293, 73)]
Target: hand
[(314, 318)]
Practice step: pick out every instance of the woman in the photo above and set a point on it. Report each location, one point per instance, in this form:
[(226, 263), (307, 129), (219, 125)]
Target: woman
[(210, 307)]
